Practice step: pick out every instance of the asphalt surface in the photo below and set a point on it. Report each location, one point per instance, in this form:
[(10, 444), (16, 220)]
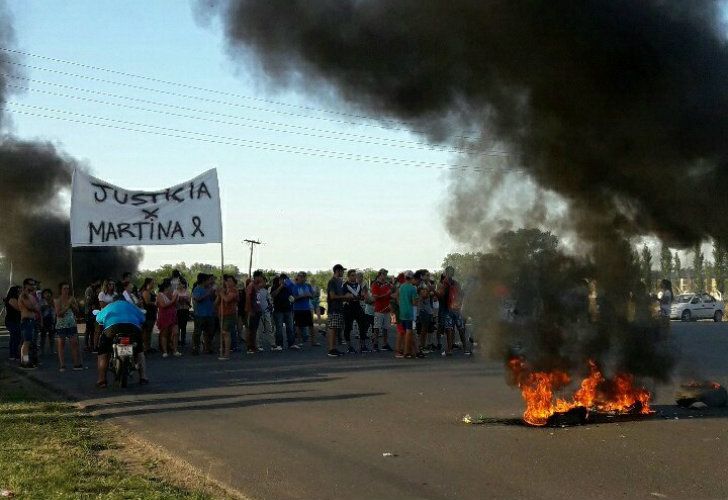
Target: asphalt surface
[(301, 425)]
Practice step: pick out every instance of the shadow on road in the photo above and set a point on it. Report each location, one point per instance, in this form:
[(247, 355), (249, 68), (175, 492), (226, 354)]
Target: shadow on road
[(235, 402)]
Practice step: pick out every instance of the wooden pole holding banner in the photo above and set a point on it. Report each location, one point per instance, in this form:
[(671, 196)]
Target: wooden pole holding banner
[(222, 294), (70, 258), (222, 275)]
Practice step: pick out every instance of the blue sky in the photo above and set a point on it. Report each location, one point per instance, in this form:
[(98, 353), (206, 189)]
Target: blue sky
[(310, 211)]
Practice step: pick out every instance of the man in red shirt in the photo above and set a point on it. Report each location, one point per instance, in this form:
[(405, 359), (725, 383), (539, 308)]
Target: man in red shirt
[(382, 294)]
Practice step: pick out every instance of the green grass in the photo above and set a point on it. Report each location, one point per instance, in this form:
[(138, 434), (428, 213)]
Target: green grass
[(52, 450)]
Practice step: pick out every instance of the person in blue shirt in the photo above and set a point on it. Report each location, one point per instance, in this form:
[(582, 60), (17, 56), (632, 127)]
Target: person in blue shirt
[(302, 309), (203, 295), (117, 317)]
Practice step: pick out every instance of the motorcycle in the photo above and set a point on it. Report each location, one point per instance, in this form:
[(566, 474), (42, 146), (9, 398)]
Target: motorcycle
[(122, 363)]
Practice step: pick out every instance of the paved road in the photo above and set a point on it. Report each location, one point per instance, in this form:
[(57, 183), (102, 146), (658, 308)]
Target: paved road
[(301, 425)]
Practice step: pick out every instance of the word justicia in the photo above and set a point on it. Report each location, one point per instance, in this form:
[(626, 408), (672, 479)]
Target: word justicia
[(179, 194), (106, 231)]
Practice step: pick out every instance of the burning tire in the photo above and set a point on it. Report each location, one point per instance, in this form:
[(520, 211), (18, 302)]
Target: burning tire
[(686, 316), (718, 317)]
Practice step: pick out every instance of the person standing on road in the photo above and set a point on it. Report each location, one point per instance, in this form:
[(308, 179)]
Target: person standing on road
[(66, 309), (266, 316), (303, 309), (167, 318), (149, 304), (407, 303), (227, 303), (281, 291), (335, 296), (665, 297), (91, 303), (254, 309), (425, 292), (29, 311), (367, 306), (353, 311), (203, 294), (381, 294), (451, 297), (47, 321), (184, 300), (12, 321)]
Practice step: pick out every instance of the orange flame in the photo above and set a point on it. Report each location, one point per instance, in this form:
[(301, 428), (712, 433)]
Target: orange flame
[(595, 393)]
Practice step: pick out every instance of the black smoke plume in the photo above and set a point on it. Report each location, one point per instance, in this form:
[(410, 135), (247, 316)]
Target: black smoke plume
[(617, 108), (34, 222)]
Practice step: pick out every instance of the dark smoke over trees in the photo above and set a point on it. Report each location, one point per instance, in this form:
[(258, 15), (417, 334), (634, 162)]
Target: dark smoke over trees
[(34, 223), (611, 111), (618, 106)]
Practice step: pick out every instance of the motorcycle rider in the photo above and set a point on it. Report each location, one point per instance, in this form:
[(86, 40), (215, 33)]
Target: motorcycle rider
[(118, 317)]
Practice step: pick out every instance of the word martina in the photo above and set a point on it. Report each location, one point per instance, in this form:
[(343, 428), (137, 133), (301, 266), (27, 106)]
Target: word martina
[(179, 194), (143, 231)]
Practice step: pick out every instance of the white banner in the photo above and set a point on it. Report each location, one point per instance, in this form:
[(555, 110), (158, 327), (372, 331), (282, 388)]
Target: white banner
[(107, 215)]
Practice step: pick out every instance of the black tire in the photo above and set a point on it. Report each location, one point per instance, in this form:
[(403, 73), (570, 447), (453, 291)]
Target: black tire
[(686, 316), (718, 316), (124, 373), (117, 368)]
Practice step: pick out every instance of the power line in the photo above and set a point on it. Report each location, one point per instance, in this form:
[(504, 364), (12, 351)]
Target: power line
[(205, 99), (225, 138), (191, 87), (260, 145), (362, 139)]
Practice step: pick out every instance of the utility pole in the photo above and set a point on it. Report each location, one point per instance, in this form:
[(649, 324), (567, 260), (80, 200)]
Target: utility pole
[(252, 244)]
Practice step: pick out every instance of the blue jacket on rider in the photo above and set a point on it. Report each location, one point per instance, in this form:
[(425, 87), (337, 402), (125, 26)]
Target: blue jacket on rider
[(120, 311)]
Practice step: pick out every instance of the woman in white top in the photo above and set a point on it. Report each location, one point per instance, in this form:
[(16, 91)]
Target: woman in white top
[(129, 294), (106, 295)]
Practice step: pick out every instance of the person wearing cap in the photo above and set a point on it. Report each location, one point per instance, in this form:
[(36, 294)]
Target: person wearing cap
[(335, 297), (382, 294), (407, 303)]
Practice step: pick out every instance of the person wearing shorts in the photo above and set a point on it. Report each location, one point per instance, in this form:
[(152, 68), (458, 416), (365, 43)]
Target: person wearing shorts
[(381, 292), (29, 310), (66, 308), (407, 303), (119, 317), (302, 309), (335, 296)]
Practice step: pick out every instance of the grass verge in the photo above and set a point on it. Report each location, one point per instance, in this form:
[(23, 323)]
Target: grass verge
[(51, 449)]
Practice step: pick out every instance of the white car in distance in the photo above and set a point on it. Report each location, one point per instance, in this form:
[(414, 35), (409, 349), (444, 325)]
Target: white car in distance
[(695, 306)]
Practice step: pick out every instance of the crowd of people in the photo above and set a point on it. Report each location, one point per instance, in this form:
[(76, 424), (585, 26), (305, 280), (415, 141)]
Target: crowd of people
[(248, 317)]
